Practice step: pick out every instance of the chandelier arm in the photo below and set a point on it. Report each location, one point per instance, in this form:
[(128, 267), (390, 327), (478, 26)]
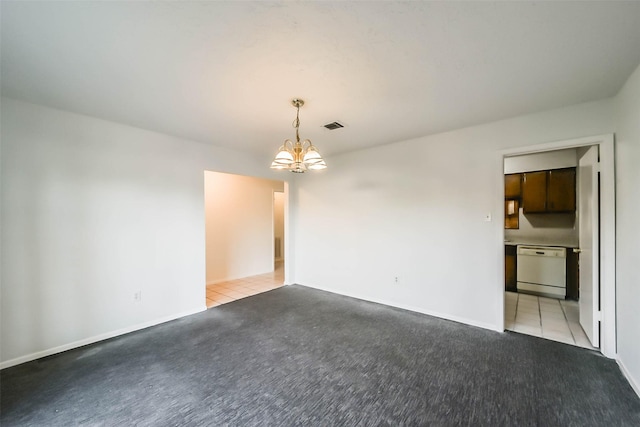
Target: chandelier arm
[(298, 156)]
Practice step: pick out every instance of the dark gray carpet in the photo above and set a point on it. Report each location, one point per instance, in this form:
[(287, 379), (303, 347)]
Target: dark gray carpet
[(298, 356)]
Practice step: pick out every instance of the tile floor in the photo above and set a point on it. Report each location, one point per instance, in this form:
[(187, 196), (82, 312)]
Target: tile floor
[(549, 318), (222, 293)]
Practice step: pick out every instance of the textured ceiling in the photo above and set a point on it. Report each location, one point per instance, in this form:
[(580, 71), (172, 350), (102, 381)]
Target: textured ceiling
[(223, 72)]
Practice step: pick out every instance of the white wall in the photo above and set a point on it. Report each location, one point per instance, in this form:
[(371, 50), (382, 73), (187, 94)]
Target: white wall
[(92, 212), (627, 116), (415, 210), (239, 225), (278, 221), (559, 229)]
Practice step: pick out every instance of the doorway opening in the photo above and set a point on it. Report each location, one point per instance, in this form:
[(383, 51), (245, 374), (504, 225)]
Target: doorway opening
[(245, 224), (560, 261)]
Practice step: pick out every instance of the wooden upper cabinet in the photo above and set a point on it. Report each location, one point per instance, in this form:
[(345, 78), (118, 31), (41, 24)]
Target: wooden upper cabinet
[(513, 186), (534, 192), (561, 196), (549, 191)]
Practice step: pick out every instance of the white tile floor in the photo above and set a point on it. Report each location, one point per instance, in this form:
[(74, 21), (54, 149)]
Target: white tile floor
[(222, 293), (553, 319)]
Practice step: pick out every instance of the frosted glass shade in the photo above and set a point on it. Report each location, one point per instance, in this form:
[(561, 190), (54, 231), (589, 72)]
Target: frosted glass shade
[(275, 165), (284, 157), (318, 166), (312, 156)]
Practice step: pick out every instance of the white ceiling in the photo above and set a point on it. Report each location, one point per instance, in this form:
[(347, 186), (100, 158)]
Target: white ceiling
[(223, 72)]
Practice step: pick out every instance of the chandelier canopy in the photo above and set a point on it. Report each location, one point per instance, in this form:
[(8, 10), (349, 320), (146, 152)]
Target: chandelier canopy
[(298, 156)]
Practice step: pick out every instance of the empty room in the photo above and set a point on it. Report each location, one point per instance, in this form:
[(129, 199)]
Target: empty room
[(319, 213)]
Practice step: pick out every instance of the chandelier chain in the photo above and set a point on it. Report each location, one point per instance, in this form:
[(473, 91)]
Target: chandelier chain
[(296, 122)]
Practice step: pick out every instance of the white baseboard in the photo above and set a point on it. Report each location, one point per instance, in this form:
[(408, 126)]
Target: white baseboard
[(634, 385), (94, 339), (445, 316)]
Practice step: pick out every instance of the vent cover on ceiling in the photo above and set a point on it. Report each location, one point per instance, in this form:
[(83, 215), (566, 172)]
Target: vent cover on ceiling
[(333, 125)]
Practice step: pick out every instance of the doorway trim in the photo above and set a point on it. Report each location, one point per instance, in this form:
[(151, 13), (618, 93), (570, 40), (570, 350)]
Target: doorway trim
[(608, 341)]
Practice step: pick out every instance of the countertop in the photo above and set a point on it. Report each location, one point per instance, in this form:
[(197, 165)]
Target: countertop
[(541, 243)]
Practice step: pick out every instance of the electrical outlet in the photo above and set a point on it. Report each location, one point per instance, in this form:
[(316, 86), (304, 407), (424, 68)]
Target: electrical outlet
[(137, 296), (396, 279)]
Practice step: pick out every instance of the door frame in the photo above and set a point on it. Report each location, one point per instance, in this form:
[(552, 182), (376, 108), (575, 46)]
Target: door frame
[(608, 341)]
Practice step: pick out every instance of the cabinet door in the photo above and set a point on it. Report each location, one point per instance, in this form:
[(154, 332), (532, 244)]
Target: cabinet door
[(512, 186), (510, 281), (534, 192), (561, 192), (573, 275)]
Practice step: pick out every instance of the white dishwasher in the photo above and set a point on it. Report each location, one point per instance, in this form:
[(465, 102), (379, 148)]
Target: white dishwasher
[(542, 270)]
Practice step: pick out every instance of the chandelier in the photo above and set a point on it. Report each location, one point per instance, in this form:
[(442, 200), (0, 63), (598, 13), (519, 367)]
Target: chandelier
[(298, 156)]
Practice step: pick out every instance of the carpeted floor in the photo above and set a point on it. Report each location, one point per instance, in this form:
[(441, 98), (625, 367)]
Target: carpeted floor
[(298, 356)]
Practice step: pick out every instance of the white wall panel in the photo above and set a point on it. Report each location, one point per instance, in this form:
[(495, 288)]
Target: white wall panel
[(92, 213), (628, 231), (416, 210)]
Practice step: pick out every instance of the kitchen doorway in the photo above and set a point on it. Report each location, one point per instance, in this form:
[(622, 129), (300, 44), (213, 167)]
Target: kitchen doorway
[(597, 253)]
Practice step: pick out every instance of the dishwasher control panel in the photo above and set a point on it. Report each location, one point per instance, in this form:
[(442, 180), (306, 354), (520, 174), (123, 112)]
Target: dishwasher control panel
[(542, 251)]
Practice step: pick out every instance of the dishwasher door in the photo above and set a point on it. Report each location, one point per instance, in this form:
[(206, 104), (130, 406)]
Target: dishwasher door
[(542, 270)]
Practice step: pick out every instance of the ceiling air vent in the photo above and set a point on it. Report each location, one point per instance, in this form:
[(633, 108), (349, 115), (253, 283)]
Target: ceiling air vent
[(333, 125)]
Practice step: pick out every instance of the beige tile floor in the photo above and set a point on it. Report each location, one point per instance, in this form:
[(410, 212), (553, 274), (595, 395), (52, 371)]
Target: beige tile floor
[(553, 319), (222, 293)]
